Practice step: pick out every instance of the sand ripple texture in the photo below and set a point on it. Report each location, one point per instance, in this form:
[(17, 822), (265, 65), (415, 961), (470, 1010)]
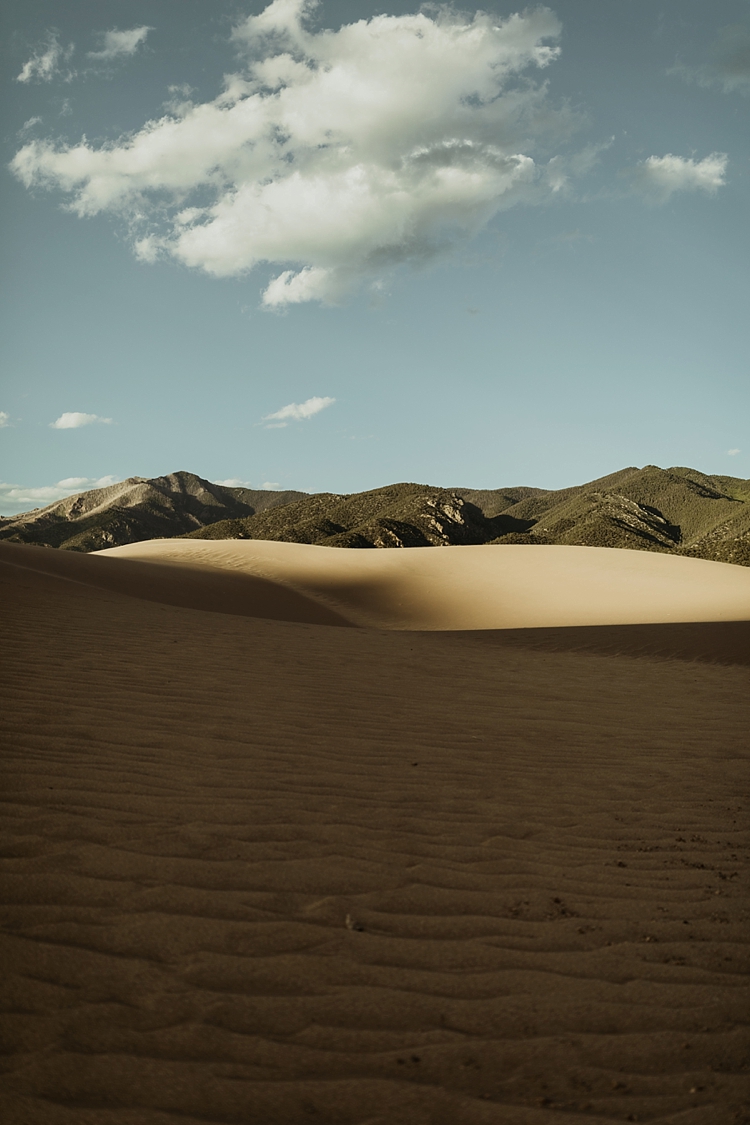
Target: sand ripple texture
[(269, 872)]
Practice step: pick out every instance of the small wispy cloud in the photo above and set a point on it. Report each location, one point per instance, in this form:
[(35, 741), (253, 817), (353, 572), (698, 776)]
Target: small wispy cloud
[(73, 484), (234, 482), (45, 64), (728, 65), (15, 498), (51, 56), (659, 177), (116, 44), (733, 452), (74, 419), (297, 411), (4, 419)]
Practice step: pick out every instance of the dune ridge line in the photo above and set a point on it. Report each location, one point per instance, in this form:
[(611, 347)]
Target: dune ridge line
[(474, 587)]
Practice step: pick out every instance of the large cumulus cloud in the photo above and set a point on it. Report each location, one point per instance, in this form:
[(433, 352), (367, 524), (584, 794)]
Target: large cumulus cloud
[(333, 154)]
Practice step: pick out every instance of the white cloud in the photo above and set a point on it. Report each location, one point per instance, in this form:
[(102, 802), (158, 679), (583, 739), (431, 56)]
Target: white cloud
[(333, 154), (733, 452), (18, 498), (728, 68), (309, 284), (296, 411), (73, 420), (270, 485), (234, 482), (4, 419), (44, 64), (116, 43), (660, 176)]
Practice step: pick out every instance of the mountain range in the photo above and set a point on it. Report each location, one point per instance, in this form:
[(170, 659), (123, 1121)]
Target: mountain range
[(137, 509), (676, 510)]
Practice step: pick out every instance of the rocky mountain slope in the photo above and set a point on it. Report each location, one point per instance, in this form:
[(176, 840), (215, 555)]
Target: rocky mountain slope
[(136, 509), (399, 515), (677, 510), (650, 509)]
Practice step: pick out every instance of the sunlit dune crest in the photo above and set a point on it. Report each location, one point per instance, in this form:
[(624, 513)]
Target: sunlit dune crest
[(474, 587)]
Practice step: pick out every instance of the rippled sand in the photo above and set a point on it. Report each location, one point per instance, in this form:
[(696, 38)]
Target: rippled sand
[(269, 869)]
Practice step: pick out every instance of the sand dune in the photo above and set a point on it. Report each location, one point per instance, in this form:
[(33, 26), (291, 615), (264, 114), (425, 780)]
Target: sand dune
[(512, 587), (269, 871), (219, 590)]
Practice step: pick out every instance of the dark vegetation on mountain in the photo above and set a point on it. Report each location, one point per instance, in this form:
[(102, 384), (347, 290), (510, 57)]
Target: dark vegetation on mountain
[(399, 515), (678, 510)]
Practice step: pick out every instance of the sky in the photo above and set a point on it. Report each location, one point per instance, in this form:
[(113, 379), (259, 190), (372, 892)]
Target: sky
[(331, 247)]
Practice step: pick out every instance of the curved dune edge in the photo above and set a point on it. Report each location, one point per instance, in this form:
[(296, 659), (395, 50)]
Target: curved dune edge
[(212, 590), (470, 588)]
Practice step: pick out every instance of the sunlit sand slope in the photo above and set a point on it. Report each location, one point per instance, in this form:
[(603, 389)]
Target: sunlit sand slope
[(262, 871), (476, 587)]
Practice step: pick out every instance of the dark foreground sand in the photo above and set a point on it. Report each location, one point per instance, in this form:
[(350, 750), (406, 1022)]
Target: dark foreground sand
[(276, 871)]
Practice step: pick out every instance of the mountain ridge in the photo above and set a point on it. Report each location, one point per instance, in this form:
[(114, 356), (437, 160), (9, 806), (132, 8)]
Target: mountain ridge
[(135, 509), (679, 510)]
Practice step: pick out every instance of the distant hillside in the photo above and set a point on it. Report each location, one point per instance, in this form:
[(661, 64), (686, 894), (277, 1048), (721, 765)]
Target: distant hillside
[(134, 510), (676, 510), (650, 509), (399, 515)]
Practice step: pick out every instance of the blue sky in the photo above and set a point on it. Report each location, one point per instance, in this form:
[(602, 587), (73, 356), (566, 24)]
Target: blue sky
[(334, 247)]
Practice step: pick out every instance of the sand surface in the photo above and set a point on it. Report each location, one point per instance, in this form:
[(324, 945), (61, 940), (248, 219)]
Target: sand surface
[(512, 587), (274, 871)]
